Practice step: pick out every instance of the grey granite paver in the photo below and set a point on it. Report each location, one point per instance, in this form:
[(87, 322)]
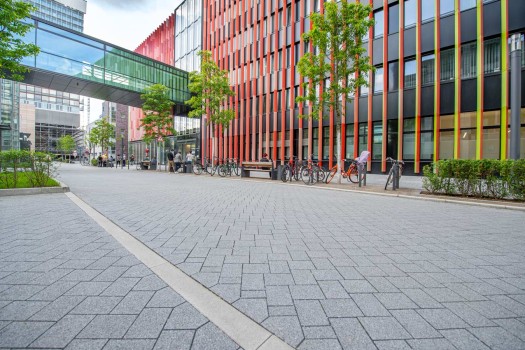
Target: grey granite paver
[(89, 292), (474, 255), (383, 328)]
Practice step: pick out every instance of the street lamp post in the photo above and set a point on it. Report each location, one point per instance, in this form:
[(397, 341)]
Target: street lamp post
[(121, 148), (516, 40)]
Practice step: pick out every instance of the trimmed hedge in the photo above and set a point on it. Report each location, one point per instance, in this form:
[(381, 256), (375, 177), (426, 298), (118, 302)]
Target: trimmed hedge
[(487, 178)]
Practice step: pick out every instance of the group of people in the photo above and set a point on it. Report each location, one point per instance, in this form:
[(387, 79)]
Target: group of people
[(175, 160), (107, 161)]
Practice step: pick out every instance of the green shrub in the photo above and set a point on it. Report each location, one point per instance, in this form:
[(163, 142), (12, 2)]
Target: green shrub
[(37, 167), (94, 161), (488, 178)]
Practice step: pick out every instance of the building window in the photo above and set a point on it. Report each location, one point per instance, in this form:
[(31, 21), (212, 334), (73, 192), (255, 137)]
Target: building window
[(447, 65), (427, 138), (409, 138), (491, 134), (349, 141), (364, 88), (363, 137), (410, 73), (467, 4), (446, 137), (378, 80), (410, 13), (377, 141), (393, 19), (305, 144), (446, 7), (427, 10), (468, 60), (467, 139), (492, 59), (427, 69), (393, 76), (326, 143), (379, 22)]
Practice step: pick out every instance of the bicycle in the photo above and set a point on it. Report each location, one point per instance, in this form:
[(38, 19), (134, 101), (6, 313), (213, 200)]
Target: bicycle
[(85, 161), (312, 172), (198, 168), (211, 167), (228, 168), (291, 170), (351, 174), (390, 178)]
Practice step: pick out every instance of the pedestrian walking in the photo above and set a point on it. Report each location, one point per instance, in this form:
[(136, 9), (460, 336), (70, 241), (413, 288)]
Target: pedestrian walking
[(171, 162), (178, 160), (118, 160), (123, 160)]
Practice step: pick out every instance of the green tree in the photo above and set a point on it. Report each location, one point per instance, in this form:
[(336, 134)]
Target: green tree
[(158, 118), (66, 144), (102, 133), (337, 66), (210, 90), (12, 47)]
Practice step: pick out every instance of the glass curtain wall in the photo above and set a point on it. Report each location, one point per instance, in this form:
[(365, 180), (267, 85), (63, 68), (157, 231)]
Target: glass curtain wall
[(188, 27)]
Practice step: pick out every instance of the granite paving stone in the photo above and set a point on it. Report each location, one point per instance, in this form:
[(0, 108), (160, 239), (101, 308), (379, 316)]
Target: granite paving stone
[(462, 275)]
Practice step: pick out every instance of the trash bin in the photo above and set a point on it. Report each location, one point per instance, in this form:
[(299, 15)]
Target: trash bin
[(278, 173), (187, 168)]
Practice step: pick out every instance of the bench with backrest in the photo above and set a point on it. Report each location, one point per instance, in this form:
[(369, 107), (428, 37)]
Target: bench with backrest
[(247, 167)]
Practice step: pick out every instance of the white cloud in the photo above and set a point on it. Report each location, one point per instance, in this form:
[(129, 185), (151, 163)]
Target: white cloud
[(126, 23)]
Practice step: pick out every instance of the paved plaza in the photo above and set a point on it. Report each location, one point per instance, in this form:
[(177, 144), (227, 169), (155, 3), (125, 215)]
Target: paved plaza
[(320, 269)]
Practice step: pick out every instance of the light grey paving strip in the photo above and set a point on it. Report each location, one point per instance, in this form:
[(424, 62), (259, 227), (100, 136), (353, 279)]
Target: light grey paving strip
[(430, 199), (240, 328)]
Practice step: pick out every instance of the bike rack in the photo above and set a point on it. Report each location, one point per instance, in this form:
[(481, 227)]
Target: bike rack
[(395, 182), (361, 173)]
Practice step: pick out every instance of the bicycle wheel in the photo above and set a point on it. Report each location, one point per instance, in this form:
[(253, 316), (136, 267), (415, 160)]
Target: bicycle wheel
[(236, 170), (285, 175), (222, 170), (320, 174), (197, 168), (331, 174), (309, 176), (353, 173), (390, 178)]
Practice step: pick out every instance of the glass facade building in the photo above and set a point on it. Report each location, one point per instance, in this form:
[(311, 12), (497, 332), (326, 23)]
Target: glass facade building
[(439, 91), (188, 35), (66, 13)]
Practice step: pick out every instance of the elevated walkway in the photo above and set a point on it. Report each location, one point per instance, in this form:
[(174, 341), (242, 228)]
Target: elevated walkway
[(73, 62)]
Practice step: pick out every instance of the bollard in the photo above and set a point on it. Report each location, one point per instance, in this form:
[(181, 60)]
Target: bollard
[(361, 173), (395, 182)]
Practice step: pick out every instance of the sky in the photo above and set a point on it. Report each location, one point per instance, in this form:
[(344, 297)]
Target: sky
[(126, 23)]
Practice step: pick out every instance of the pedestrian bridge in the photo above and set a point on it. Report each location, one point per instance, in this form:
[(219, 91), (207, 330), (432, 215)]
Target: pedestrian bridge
[(73, 62)]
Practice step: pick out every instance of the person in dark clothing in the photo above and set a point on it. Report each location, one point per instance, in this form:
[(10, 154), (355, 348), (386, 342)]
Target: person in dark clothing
[(171, 163)]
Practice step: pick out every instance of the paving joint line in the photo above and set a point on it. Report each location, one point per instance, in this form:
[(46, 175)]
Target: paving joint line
[(240, 328), (406, 196)]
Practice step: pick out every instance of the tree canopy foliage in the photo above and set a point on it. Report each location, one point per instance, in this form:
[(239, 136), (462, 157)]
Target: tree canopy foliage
[(210, 90), (12, 30)]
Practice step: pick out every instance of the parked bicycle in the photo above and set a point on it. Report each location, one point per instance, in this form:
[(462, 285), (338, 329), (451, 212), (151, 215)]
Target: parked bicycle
[(85, 161), (291, 170), (312, 172), (229, 167), (390, 178), (351, 174), (198, 168)]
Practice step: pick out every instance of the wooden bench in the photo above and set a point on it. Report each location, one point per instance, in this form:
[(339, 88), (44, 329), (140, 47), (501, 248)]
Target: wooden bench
[(247, 167)]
